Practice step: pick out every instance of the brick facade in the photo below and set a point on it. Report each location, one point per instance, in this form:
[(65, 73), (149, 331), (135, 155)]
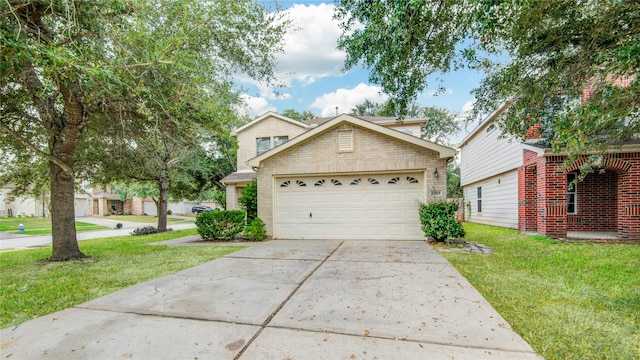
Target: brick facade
[(606, 202)]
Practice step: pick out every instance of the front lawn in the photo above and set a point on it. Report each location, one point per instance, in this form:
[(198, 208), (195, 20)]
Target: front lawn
[(32, 287), (40, 226), (569, 300)]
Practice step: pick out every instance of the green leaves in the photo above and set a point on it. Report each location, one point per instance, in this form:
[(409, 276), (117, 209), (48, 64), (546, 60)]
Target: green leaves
[(554, 50), (402, 42), (220, 225), (438, 221)]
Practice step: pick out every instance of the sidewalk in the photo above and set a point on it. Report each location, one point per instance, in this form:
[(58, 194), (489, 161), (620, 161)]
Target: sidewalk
[(10, 241)]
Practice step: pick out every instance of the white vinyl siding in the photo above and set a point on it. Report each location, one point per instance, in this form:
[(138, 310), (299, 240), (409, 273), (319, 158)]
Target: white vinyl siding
[(499, 200), (488, 154)]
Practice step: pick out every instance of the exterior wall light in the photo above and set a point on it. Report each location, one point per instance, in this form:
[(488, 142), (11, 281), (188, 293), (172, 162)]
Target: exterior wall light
[(435, 174)]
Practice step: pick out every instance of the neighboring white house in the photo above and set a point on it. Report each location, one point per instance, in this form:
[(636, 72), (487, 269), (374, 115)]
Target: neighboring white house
[(489, 163)]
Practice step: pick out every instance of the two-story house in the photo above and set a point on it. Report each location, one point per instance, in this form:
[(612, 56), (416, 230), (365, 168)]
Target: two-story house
[(524, 185), (339, 178)]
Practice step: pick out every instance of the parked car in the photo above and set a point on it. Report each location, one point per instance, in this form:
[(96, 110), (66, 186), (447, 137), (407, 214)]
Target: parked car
[(200, 208)]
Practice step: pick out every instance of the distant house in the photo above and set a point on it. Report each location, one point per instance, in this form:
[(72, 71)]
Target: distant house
[(11, 205), (90, 202), (339, 178), (522, 185)]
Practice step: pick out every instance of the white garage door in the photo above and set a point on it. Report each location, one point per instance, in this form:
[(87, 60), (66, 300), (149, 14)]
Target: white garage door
[(81, 207), (150, 208), (349, 207)]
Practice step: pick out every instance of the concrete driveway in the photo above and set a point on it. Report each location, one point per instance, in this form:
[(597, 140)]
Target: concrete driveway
[(285, 300)]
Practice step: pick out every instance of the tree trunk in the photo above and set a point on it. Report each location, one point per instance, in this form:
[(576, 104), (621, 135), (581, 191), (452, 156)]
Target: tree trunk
[(163, 204), (63, 224)]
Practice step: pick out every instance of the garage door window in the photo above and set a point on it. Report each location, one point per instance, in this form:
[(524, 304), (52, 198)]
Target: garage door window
[(285, 184), (336, 182), (412, 180), (394, 180), (301, 183), (355, 181), (319, 182), (373, 181)]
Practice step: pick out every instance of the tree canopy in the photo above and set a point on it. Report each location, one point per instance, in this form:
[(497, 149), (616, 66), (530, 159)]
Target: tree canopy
[(441, 123), (540, 57), (81, 78), (297, 115)]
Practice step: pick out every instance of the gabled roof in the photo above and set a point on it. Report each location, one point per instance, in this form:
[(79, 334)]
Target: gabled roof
[(484, 123), (386, 120), (267, 115), (443, 151)]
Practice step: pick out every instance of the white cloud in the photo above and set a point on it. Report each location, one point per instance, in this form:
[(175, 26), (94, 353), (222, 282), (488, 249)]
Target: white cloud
[(347, 99), (255, 106), (467, 107), (310, 49)]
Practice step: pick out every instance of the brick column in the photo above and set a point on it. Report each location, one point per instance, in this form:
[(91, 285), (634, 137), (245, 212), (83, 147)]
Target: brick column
[(629, 198), (552, 197)]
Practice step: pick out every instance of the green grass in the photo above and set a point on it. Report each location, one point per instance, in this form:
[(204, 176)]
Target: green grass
[(32, 287), (569, 300), (38, 226)]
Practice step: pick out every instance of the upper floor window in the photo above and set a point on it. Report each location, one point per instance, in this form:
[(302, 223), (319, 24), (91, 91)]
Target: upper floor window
[(279, 140), (263, 144)]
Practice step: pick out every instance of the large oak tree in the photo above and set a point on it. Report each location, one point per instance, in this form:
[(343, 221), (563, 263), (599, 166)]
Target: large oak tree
[(71, 68)]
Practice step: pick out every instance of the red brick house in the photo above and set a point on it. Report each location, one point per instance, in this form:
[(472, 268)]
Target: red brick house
[(605, 201), (524, 186)]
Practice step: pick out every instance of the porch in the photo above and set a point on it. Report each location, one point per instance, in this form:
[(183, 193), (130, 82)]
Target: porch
[(559, 202)]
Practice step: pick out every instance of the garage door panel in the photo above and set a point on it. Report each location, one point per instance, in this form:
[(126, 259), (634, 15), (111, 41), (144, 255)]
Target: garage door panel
[(386, 210)]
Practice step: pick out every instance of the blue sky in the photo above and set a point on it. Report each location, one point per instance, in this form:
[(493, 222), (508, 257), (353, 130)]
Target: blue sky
[(311, 67)]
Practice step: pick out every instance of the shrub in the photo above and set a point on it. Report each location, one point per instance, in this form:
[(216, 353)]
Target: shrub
[(255, 231), (169, 212), (223, 225), (145, 230), (248, 200), (438, 220)]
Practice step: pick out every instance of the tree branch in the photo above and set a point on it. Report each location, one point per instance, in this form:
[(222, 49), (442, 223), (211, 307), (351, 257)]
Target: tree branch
[(37, 151)]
